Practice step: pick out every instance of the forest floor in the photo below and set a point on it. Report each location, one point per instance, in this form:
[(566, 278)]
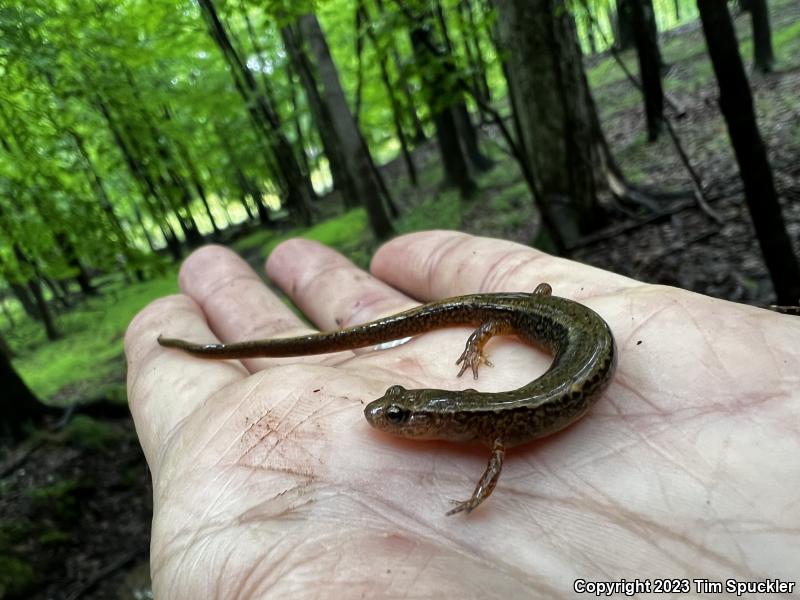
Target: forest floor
[(76, 504)]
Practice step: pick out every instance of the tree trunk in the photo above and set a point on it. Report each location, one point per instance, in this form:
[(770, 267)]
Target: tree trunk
[(193, 173), (58, 293), (624, 24), (466, 130), (33, 294), (99, 188), (7, 314), (405, 87), (167, 172), (558, 128), (397, 114), (242, 182), (20, 408), (471, 32), (25, 299), (590, 34), (763, 57), (736, 103), (140, 219), (646, 39), (44, 311), (149, 190), (321, 114), (300, 147), (300, 140), (359, 167), (296, 185), (454, 161), (469, 138), (4, 347)]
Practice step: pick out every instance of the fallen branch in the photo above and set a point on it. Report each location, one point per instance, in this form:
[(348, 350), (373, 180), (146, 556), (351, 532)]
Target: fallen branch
[(786, 310), (616, 230), (673, 248), (697, 183)]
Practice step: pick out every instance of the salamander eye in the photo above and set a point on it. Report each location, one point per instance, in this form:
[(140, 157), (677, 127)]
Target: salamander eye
[(395, 414)]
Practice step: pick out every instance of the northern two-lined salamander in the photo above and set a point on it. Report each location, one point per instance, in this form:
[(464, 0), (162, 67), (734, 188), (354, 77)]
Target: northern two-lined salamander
[(583, 364)]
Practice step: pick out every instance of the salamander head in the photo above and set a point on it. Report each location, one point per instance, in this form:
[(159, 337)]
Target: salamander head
[(421, 414)]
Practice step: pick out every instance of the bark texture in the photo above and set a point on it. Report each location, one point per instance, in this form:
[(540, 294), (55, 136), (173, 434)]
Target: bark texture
[(356, 175), (558, 127)]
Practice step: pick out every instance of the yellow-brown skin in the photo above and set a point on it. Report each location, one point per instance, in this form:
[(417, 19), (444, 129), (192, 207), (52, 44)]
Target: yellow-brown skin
[(583, 364)]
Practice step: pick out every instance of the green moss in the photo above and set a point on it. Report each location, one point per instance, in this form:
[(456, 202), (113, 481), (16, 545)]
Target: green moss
[(54, 537), (13, 531), (90, 434), (440, 212), (510, 197), (92, 344), (786, 43), (337, 232), (607, 71), (16, 576), (56, 499)]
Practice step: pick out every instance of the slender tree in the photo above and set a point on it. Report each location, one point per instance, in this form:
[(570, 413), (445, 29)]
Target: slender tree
[(296, 185), (736, 104), (649, 66), (349, 154), (624, 24), (763, 57), (391, 93), (436, 76), (404, 85)]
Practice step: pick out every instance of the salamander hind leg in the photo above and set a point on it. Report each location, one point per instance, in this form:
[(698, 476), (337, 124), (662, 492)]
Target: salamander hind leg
[(543, 289), (473, 354), (486, 483)]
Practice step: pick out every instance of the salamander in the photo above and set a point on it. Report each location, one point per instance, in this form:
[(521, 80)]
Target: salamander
[(584, 360)]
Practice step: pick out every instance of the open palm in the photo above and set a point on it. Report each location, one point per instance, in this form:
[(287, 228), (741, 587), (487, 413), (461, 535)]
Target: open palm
[(268, 481)]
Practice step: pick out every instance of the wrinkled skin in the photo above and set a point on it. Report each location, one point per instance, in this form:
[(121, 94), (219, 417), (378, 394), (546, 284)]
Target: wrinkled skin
[(268, 481)]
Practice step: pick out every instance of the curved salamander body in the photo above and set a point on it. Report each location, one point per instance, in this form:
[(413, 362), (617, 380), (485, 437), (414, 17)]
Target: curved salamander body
[(583, 364)]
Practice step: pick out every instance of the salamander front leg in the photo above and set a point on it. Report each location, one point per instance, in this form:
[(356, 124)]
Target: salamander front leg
[(473, 354), (486, 483)]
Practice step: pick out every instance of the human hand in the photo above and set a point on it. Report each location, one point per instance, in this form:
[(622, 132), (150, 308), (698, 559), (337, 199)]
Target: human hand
[(267, 479)]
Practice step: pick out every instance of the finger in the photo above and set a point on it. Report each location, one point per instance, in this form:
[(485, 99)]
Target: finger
[(328, 288), (236, 302), (164, 386), (436, 264)]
